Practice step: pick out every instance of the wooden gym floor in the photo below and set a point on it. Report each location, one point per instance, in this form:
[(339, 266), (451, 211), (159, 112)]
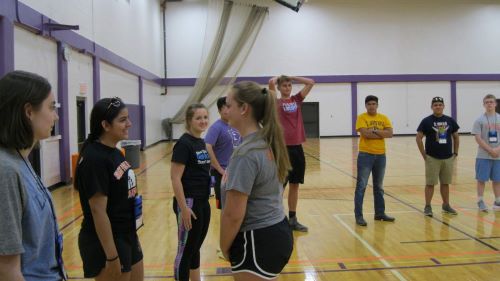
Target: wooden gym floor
[(415, 247)]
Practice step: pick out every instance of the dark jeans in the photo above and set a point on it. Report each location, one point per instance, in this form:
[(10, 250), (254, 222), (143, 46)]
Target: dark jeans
[(375, 164)]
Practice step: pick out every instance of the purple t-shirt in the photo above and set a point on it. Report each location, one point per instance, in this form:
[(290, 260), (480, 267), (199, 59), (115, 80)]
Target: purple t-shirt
[(223, 139)]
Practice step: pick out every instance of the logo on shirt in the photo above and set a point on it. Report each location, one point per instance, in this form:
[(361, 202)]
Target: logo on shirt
[(235, 137), (132, 184), (441, 129), (290, 107), (203, 157), (121, 169), (375, 124)]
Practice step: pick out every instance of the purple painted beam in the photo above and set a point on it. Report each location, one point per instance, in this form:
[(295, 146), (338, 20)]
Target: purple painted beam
[(96, 78), (354, 107), (142, 119), (62, 98), (453, 97), (6, 46), (360, 78)]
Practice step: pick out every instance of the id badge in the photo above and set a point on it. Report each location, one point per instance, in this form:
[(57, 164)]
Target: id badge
[(138, 212), (442, 138), (59, 245), (492, 137)]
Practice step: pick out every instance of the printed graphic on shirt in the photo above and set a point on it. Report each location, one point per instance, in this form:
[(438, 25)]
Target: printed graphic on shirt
[(203, 157), (235, 137), (290, 107), (121, 169), (441, 129), (373, 124), (132, 184)]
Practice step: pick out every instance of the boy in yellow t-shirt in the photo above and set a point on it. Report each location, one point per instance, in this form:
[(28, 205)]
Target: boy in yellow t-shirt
[(373, 128)]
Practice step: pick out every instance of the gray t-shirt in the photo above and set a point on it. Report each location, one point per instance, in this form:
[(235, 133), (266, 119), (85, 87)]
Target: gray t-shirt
[(252, 171), (13, 204), (483, 126)]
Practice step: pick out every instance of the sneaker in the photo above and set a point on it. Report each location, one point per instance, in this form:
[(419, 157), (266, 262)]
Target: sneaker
[(428, 210), (496, 207), (361, 221), (384, 217), (482, 206), (449, 210), (295, 225)]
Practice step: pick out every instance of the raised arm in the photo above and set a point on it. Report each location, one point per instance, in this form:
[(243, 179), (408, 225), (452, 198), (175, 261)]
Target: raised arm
[(272, 83), (308, 84)]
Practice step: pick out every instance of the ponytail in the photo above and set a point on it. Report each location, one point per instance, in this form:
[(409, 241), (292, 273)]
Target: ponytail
[(263, 103)]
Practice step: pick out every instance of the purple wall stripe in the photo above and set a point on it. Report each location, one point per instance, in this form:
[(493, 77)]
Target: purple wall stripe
[(6, 45), (360, 78), (453, 97), (354, 107), (134, 113), (142, 114), (62, 98), (96, 77)]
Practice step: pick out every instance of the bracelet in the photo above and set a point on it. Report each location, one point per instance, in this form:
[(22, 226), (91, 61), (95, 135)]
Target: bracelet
[(113, 259)]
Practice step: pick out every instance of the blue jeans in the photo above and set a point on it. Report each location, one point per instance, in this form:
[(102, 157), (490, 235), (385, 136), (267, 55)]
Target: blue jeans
[(375, 164)]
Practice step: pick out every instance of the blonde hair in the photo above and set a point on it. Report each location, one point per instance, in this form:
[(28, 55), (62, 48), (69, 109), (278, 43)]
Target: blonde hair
[(190, 113), (263, 103), (489, 96), (282, 79)]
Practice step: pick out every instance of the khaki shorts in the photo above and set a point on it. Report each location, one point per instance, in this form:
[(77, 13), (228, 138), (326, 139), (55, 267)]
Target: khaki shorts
[(441, 169)]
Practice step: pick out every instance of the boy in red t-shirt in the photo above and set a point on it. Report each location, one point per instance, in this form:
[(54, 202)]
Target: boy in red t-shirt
[(290, 111)]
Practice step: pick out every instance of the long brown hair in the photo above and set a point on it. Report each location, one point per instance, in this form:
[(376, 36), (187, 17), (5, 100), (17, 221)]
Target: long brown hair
[(263, 103)]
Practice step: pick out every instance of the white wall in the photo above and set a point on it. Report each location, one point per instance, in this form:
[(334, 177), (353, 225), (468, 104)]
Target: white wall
[(115, 25), (79, 73), (334, 108), (331, 37), (470, 101), (153, 104), (36, 54), (118, 83)]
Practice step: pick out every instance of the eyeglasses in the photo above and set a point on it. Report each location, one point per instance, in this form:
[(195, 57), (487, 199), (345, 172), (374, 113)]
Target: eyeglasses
[(437, 99), (115, 102)]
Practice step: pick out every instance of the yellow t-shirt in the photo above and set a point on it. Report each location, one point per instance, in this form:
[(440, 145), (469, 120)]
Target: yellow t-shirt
[(379, 121)]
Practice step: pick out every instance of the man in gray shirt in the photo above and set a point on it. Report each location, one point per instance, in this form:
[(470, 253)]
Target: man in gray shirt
[(485, 130)]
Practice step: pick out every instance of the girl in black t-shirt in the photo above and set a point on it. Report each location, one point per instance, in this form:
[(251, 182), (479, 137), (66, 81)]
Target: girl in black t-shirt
[(108, 241), (191, 183)]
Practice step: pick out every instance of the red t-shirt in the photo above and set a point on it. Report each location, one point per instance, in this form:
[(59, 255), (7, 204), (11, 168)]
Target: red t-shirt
[(290, 111)]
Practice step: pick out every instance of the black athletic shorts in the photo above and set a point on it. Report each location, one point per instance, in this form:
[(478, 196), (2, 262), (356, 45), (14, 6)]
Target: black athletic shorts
[(94, 258), (298, 161), (263, 252), (218, 179)]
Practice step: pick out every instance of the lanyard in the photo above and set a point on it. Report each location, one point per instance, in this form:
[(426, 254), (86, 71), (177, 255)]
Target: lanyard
[(58, 241)]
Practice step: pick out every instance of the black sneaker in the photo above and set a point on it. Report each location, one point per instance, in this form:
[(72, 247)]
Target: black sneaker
[(384, 217), (361, 221), (295, 225), (428, 210), (449, 210)]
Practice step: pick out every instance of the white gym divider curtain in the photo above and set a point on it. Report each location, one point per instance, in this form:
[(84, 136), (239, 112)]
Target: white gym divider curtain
[(237, 24)]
